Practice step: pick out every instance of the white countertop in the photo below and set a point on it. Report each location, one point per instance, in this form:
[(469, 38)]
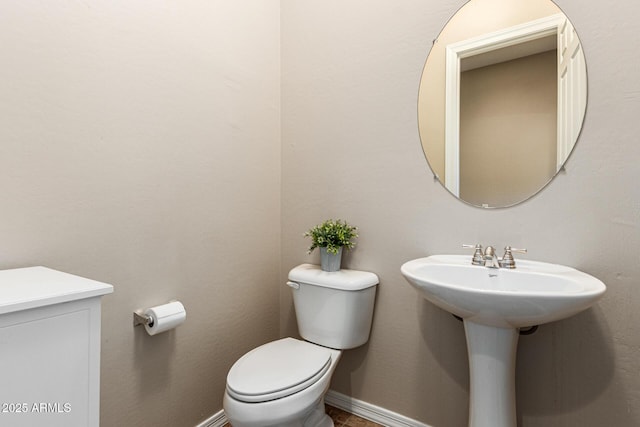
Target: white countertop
[(31, 287)]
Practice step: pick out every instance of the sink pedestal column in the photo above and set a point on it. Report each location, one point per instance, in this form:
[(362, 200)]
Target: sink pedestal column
[(492, 363)]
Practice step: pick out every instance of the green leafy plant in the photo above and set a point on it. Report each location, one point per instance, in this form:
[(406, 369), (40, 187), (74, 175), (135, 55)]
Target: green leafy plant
[(332, 235)]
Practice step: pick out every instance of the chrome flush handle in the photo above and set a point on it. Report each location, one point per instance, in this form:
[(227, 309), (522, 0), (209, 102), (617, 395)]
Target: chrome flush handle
[(293, 285)]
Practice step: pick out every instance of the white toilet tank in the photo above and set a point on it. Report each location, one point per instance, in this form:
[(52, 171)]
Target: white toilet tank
[(334, 309)]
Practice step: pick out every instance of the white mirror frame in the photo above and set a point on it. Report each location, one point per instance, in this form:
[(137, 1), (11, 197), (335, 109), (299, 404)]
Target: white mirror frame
[(544, 27)]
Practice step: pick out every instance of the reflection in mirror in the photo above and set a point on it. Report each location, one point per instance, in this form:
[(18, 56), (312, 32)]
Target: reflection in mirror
[(502, 100)]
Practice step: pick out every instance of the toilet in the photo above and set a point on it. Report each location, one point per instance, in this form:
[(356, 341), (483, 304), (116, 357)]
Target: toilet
[(283, 383)]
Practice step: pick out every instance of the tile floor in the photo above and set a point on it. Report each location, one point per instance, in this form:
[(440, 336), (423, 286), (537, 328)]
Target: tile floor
[(344, 419)]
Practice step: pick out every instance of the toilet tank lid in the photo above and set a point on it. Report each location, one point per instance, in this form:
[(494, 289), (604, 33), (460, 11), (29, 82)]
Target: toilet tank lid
[(348, 280)]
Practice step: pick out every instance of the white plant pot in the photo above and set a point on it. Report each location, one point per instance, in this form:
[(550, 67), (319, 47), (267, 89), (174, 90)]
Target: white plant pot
[(329, 261)]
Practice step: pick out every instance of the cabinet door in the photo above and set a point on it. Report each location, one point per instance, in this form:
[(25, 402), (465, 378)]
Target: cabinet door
[(48, 366)]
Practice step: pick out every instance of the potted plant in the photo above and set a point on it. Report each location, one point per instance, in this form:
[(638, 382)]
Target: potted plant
[(331, 236)]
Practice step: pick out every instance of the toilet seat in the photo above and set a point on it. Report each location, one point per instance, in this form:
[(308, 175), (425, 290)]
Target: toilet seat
[(276, 370)]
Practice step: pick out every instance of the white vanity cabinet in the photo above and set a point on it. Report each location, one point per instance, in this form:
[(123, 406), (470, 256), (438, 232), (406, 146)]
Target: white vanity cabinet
[(49, 348)]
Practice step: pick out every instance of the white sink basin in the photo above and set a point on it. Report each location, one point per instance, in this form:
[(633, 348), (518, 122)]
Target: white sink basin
[(532, 294), (494, 304)]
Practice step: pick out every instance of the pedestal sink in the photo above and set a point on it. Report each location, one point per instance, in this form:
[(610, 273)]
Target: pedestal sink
[(494, 304)]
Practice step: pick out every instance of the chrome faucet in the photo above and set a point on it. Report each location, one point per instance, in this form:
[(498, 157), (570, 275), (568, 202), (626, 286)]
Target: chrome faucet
[(490, 259)]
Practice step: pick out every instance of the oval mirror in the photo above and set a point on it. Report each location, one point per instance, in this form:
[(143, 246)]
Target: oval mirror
[(502, 100)]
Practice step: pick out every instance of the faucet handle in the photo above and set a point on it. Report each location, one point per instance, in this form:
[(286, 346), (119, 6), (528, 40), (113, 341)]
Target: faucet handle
[(507, 260), (478, 258), (510, 249)]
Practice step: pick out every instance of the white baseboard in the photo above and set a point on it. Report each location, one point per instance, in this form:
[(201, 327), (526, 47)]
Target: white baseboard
[(370, 412), (219, 419), (357, 407)]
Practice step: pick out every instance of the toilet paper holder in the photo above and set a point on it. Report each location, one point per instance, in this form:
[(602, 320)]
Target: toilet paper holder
[(160, 318), (139, 318)]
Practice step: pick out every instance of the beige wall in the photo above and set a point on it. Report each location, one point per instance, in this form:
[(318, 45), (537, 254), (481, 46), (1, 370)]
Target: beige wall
[(140, 146), (508, 128), (350, 75)]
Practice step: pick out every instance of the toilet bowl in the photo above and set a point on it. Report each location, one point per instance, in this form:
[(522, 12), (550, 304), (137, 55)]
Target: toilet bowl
[(273, 396), (282, 383)]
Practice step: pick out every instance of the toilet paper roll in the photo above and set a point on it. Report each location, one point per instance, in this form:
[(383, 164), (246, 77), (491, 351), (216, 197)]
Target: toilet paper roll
[(165, 317)]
